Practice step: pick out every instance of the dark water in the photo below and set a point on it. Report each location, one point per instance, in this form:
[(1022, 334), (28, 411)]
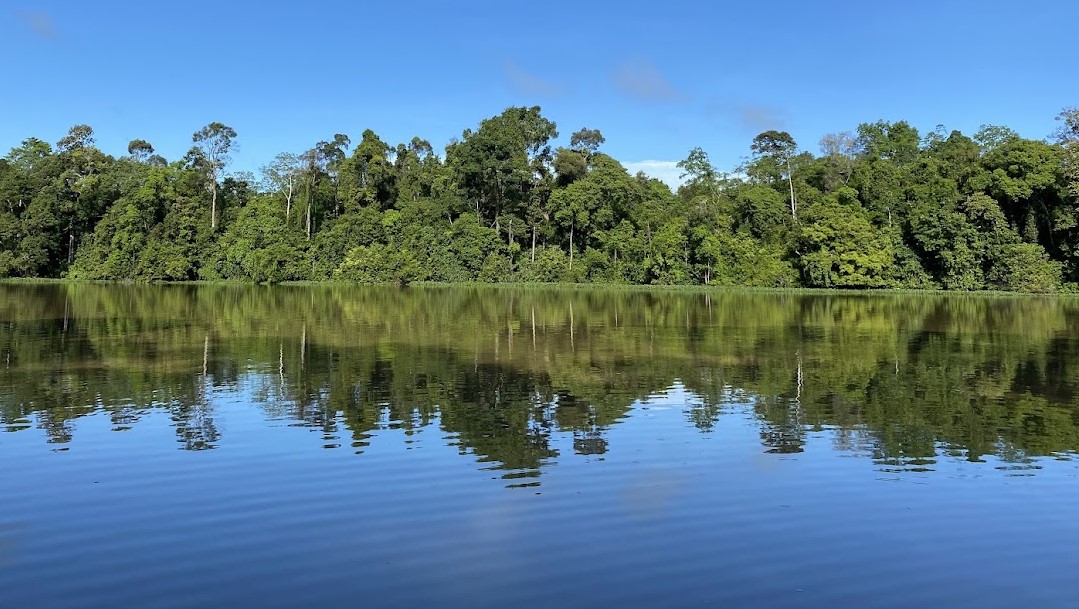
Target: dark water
[(279, 447)]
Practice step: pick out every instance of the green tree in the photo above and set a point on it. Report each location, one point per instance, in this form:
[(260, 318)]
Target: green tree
[(211, 154), (772, 152), (1068, 137), (496, 165), (595, 202), (1024, 267), (140, 150), (368, 176), (259, 247), (841, 248), (282, 175), (377, 263)]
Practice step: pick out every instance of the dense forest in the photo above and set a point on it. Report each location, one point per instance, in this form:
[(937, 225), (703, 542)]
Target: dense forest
[(880, 207)]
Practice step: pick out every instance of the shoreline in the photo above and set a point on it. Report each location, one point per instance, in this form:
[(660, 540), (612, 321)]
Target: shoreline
[(606, 287)]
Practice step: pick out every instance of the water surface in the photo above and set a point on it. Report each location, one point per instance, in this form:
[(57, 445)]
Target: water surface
[(182, 446)]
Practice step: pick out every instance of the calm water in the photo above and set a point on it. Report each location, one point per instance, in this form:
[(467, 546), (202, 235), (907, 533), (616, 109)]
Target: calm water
[(191, 446)]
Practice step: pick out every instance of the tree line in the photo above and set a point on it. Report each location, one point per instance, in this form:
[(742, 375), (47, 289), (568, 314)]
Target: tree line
[(882, 206)]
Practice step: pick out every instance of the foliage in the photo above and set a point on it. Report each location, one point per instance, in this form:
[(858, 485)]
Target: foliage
[(841, 248), (378, 263), (882, 206), (1025, 267)]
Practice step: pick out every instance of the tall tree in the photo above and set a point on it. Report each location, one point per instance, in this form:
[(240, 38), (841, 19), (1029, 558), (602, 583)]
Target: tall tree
[(79, 136), (596, 202), (140, 150), (314, 169), (332, 154), (840, 151), (418, 172), (778, 147), (281, 175), (1068, 137), (80, 202), (989, 137), (214, 141), (896, 142), (497, 165), (367, 177)]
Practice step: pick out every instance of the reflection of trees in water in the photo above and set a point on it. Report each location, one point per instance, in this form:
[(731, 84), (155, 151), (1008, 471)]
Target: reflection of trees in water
[(782, 429), (194, 425), (194, 420), (900, 379)]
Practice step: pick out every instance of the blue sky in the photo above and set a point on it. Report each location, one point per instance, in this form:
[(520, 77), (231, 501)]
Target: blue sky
[(656, 78)]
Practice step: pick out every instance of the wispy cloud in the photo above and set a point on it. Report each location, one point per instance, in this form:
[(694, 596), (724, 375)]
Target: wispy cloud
[(524, 82), (39, 22), (752, 117), (667, 172), (761, 117), (643, 80)]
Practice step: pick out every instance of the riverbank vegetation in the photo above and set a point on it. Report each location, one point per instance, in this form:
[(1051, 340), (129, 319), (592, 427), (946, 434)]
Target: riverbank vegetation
[(882, 206)]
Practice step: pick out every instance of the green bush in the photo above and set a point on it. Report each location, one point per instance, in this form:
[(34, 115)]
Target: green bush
[(377, 263), (1025, 267)]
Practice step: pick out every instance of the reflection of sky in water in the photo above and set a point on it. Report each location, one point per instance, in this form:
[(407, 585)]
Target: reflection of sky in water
[(668, 511), (633, 451)]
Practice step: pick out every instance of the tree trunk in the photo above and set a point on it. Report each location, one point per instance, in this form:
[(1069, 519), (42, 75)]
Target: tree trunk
[(309, 209), (790, 181), (71, 232), (533, 243), (213, 204), (288, 199), (509, 244), (571, 247), (70, 240), (336, 195)]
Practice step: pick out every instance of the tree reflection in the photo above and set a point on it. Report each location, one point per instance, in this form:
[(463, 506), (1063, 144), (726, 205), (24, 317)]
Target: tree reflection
[(901, 379)]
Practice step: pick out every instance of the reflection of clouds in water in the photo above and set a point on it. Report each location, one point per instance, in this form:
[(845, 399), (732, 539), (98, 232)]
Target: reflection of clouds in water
[(766, 461), (495, 522), (648, 494), (496, 532), (8, 535)]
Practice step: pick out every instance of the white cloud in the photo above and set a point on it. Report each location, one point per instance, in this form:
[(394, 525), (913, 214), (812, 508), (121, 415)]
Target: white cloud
[(665, 171)]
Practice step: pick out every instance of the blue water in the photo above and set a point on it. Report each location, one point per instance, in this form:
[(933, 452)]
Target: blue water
[(488, 492)]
